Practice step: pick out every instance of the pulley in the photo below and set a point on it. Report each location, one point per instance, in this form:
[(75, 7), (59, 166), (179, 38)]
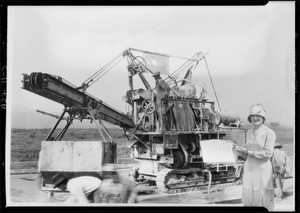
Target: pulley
[(148, 106), (36, 80)]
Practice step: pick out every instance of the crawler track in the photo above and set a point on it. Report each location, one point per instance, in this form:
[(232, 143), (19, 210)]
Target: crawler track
[(197, 183)]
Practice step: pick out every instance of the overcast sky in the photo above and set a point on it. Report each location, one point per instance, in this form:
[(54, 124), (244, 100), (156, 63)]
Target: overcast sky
[(251, 51)]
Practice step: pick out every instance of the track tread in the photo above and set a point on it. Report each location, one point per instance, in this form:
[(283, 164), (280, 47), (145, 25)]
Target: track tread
[(162, 186)]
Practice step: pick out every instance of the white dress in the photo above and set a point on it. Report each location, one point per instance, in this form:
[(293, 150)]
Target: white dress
[(258, 189)]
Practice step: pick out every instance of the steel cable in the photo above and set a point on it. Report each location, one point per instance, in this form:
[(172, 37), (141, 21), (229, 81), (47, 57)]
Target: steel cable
[(212, 84), (94, 81), (101, 70)]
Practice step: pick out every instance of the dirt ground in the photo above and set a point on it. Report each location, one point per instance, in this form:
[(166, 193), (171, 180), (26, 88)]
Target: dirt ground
[(24, 191)]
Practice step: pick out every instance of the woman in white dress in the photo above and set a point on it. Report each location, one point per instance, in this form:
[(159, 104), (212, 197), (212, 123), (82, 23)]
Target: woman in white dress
[(258, 189)]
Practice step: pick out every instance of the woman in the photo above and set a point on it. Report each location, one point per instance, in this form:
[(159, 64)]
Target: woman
[(258, 187)]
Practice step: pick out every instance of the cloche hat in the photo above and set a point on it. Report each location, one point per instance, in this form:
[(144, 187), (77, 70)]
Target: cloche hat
[(257, 109)]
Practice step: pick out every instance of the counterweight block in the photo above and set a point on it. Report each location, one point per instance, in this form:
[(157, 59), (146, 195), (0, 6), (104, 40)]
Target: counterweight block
[(74, 158)]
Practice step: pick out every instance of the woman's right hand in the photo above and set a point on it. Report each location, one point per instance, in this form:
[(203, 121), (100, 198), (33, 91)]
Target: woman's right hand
[(240, 149)]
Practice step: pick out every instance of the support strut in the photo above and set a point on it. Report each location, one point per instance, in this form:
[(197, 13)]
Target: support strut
[(55, 126), (63, 131)]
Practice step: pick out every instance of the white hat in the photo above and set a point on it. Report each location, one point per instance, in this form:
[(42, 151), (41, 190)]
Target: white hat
[(257, 109)]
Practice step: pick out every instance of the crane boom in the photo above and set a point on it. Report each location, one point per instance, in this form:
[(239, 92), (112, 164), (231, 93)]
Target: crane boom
[(57, 89)]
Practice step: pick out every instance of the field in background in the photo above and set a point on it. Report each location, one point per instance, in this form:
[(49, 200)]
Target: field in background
[(26, 144)]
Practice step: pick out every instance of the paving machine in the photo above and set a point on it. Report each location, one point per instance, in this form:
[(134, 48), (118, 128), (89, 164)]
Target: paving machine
[(180, 142)]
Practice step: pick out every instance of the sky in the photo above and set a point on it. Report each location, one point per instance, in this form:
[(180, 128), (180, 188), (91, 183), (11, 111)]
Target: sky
[(250, 52)]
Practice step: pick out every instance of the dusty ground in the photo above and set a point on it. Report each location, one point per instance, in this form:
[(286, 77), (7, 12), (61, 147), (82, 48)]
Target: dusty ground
[(24, 191)]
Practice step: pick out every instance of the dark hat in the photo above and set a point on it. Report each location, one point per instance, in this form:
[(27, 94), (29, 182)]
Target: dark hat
[(156, 74), (277, 145)]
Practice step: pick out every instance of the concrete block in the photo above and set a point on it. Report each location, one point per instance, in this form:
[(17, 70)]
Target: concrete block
[(73, 155)]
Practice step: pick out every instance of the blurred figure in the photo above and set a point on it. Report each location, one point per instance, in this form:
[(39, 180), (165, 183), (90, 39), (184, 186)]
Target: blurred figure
[(115, 188), (279, 161), (162, 91), (258, 188), (82, 189)]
